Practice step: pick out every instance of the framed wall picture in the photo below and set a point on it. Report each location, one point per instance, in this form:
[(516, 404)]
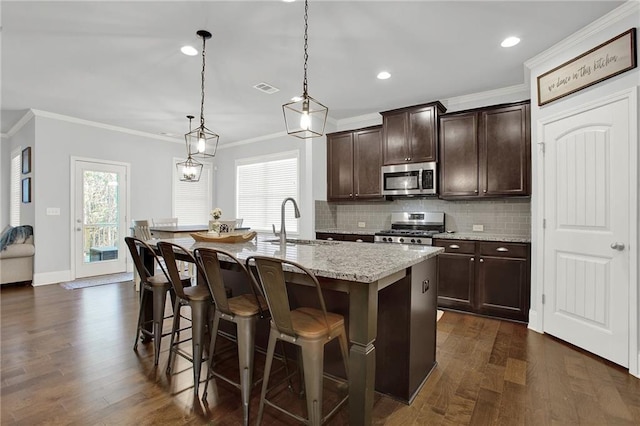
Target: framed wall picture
[(26, 160), (609, 59), (26, 190)]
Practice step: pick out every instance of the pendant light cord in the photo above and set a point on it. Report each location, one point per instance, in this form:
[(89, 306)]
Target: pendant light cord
[(306, 46), (204, 40)]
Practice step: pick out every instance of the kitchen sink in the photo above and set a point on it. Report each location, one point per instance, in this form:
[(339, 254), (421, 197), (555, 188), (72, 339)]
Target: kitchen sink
[(296, 241)]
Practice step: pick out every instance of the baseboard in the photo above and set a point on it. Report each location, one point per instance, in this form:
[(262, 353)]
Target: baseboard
[(533, 321), (56, 277)]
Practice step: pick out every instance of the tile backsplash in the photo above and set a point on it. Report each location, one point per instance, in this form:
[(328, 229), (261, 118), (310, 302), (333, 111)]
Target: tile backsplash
[(503, 216)]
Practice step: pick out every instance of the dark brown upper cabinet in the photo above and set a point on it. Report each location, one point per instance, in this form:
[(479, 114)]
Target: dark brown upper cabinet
[(410, 135), (486, 152), (354, 159)]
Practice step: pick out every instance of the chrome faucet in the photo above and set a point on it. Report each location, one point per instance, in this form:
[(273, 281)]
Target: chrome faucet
[(283, 232)]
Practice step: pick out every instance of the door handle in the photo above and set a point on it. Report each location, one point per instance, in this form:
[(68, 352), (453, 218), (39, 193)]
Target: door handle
[(78, 229), (617, 246)]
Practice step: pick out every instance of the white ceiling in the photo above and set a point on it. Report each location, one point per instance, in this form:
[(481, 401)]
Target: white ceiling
[(119, 63)]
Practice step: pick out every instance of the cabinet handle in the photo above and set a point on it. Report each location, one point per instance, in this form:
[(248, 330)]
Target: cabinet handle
[(473, 259), (485, 191), (454, 246), (359, 240), (475, 190), (502, 249), (356, 195), (481, 260), (330, 239), (350, 194)]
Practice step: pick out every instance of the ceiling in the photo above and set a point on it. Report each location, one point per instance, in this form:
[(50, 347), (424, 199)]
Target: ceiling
[(119, 63)]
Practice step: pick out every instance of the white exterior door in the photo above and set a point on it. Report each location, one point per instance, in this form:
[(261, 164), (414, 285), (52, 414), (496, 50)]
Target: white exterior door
[(587, 233), (100, 222)]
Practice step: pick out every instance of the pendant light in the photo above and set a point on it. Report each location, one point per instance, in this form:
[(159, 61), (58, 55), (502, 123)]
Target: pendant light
[(202, 142), (189, 170), (304, 116)]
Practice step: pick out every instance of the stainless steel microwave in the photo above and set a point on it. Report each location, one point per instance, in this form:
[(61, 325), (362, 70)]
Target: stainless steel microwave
[(409, 179)]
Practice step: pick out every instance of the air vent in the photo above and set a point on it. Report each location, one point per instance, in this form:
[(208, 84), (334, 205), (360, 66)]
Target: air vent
[(266, 88)]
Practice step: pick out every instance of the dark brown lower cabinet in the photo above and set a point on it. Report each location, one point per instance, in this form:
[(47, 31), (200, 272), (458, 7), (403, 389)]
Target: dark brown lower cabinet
[(331, 236), (485, 277)]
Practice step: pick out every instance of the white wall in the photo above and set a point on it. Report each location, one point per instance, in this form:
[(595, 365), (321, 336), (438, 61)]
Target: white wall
[(620, 20), (54, 140)]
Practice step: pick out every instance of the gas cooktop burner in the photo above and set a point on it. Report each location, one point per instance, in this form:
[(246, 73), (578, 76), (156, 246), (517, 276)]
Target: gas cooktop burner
[(412, 228)]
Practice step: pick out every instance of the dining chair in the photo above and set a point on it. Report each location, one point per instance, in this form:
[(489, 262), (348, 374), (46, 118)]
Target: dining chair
[(243, 311), (155, 286), (198, 298), (141, 229), (306, 327)]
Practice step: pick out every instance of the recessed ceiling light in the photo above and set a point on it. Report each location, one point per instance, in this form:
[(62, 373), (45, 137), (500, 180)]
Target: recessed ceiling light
[(383, 75), (189, 50), (510, 42)]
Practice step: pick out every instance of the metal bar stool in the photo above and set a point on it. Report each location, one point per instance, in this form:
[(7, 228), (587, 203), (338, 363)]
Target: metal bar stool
[(155, 286), (243, 310), (198, 298), (308, 328)]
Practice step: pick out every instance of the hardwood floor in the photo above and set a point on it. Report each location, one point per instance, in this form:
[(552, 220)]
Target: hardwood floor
[(67, 358)]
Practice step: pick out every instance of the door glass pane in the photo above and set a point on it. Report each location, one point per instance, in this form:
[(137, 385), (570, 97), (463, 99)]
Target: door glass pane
[(100, 216)]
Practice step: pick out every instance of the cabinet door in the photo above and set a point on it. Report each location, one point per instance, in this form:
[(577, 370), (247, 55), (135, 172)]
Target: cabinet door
[(456, 281), (395, 148), (328, 236), (459, 155), (340, 166), (422, 135), (367, 163), (358, 238), (503, 287), (505, 155)]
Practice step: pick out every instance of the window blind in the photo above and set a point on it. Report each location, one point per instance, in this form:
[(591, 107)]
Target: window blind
[(192, 200), (261, 186), (16, 188)]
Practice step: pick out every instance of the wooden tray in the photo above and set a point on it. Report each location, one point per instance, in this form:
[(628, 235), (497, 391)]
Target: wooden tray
[(225, 237)]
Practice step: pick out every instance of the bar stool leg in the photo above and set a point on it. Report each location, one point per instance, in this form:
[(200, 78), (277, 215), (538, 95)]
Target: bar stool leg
[(312, 360), (198, 321), (344, 348), (159, 303), (246, 327), (174, 330), (143, 296), (212, 349), (273, 337)]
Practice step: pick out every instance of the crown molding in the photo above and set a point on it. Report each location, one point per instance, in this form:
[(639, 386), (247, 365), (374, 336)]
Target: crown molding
[(489, 94), (46, 114), (616, 15)]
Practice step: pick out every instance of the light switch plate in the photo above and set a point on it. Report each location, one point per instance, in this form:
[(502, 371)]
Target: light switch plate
[(53, 211), (361, 224), (479, 228)]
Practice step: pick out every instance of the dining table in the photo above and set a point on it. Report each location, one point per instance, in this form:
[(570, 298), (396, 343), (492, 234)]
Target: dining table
[(363, 271)]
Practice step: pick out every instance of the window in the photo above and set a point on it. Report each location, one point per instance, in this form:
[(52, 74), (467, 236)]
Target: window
[(16, 187), (261, 185), (192, 200)]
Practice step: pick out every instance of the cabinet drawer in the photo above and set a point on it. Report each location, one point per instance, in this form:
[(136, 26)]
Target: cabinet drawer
[(499, 249), (456, 246), (328, 236), (358, 238)]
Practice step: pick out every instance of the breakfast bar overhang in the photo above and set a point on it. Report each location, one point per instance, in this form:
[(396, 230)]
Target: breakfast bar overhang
[(398, 283)]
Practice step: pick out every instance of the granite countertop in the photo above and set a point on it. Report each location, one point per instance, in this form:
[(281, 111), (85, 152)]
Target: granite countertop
[(483, 236), (330, 259), (353, 231)]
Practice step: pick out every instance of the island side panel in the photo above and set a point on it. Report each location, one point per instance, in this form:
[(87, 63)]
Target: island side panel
[(363, 315)]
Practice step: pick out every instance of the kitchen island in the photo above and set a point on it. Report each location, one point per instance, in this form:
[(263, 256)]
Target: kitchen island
[(396, 282)]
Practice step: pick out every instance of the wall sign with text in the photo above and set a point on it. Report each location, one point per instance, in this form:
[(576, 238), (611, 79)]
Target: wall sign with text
[(611, 58)]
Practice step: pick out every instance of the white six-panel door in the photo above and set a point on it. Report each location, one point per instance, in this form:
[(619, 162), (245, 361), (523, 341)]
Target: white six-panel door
[(587, 233)]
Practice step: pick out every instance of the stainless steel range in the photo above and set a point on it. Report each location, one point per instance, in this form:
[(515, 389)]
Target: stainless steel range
[(412, 228)]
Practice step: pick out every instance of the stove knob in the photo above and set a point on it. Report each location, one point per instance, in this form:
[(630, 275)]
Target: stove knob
[(419, 241), (402, 240), (385, 239), (413, 241)]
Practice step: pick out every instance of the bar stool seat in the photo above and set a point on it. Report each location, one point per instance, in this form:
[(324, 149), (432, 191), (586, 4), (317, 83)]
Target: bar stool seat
[(310, 323)]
